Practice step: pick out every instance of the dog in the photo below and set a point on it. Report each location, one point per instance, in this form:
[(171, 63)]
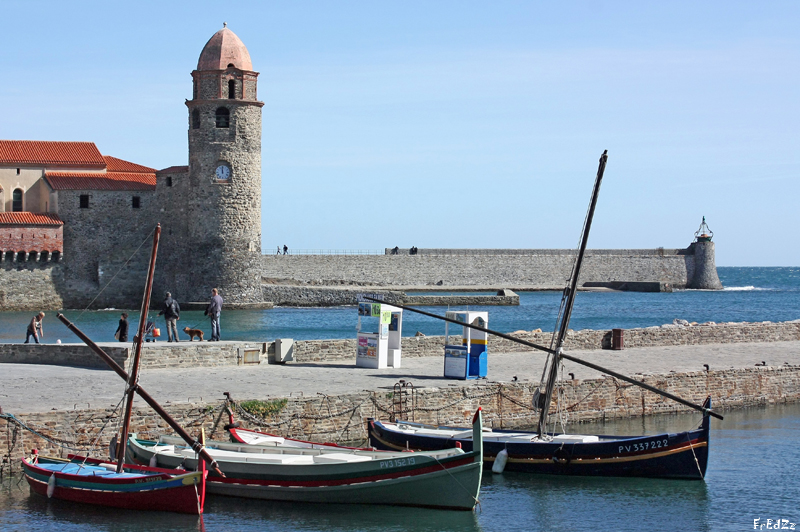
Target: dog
[(193, 332)]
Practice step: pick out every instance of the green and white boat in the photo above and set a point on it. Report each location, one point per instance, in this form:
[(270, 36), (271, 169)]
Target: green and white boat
[(447, 479)]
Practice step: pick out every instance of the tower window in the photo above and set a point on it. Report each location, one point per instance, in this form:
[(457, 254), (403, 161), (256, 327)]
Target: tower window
[(169, 180), (84, 199), (136, 202), (231, 89), (17, 171), (196, 119), (16, 200), (223, 117)]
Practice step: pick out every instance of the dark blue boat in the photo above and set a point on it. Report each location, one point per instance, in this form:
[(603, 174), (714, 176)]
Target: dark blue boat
[(682, 455)]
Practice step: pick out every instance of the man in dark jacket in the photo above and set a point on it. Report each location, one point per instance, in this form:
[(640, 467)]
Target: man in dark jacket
[(213, 311), (172, 313)]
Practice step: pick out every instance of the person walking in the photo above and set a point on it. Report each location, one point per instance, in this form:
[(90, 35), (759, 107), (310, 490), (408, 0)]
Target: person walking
[(285, 249), (121, 333), (213, 311), (35, 328), (172, 313)]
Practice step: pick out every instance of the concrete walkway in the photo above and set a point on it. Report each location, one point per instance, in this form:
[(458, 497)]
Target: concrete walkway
[(39, 388)]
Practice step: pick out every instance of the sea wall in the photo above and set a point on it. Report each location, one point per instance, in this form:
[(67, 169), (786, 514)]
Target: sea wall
[(154, 355), (514, 269), (342, 418), (324, 296), (718, 333), (206, 354)]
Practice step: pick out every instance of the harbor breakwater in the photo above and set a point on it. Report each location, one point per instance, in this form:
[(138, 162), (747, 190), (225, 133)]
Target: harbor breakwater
[(309, 280)]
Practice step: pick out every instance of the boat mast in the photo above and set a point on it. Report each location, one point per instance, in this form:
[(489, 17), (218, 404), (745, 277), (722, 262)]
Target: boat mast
[(133, 378), (554, 358)]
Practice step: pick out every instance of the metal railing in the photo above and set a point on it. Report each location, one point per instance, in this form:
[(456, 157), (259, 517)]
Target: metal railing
[(330, 252)]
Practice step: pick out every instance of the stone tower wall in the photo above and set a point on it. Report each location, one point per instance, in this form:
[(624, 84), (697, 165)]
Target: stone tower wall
[(224, 217), (705, 276)]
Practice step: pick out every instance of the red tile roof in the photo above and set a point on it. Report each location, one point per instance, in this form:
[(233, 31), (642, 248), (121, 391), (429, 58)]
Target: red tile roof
[(174, 170), (99, 181), (51, 153), (118, 165), (29, 218)]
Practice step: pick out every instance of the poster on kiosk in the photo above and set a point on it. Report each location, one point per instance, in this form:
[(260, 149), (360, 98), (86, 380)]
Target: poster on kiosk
[(467, 359), (378, 331)]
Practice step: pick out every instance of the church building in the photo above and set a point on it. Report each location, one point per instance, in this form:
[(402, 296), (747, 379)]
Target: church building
[(74, 218)]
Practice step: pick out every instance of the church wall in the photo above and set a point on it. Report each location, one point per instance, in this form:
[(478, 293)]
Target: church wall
[(29, 180)]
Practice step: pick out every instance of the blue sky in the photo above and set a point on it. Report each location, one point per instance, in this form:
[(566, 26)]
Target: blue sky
[(452, 124)]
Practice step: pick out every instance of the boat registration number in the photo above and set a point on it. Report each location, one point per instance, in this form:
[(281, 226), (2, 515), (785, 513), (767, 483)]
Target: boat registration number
[(399, 462), (655, 444)]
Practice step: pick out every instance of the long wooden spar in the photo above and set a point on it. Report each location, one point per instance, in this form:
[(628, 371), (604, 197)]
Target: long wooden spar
[(137, 349), (195, 445), (562, 355)]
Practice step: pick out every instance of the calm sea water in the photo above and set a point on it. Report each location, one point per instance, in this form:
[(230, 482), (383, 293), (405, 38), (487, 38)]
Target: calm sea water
[(751, 294), (752, 474)]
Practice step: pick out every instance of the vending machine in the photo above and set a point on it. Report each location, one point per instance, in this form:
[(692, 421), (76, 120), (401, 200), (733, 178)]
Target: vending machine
[(379, 331), (468, 360)]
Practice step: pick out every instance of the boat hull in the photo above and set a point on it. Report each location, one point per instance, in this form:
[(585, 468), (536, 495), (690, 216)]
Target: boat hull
[(403, 479), (158, 492), (682, 455)]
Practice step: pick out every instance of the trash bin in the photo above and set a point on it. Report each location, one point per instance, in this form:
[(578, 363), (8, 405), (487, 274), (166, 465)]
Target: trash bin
[(617, 339)]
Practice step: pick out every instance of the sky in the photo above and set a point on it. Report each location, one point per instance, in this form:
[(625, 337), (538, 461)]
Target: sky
[(451, 124)]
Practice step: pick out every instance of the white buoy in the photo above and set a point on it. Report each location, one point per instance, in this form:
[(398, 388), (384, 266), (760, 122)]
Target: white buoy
[(58, 341), (51, 486), (500, 461), (154, 461)]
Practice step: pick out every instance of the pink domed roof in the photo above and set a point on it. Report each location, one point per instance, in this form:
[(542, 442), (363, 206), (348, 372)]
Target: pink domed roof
[(222, 49)]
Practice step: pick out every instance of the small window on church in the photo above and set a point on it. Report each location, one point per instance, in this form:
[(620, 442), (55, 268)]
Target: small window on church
[(196, 119), (231, 89), (169, 180), (16, 200), (84, 201), (137, 202), (223, 117), (17, 171)]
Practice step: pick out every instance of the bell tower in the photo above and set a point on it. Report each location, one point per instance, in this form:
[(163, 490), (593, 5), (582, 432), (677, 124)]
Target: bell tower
[(223, 203)]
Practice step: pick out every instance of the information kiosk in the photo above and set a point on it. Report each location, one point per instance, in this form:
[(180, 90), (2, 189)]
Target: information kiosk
[(379, 330), (468, 360)]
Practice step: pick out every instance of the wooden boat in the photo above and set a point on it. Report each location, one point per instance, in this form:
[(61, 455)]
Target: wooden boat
[(95, 482), (122, 485), (682, 455), (446, 479), (255, 437)]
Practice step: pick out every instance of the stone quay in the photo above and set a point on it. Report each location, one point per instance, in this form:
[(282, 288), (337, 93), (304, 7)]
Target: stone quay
[(322, 396)]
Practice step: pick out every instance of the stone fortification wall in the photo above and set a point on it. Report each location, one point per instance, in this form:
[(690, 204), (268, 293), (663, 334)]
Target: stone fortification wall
[(31, 285), (342, 418), (515, 269)]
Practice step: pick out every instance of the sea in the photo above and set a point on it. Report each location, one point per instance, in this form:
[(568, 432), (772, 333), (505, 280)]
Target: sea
[(750, 294), (752, 481)]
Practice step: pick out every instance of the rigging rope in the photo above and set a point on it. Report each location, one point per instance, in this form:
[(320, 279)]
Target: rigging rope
[(115, 275)]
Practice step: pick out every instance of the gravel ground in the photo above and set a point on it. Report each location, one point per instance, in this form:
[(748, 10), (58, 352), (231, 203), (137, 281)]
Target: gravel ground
[(28, 388)]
